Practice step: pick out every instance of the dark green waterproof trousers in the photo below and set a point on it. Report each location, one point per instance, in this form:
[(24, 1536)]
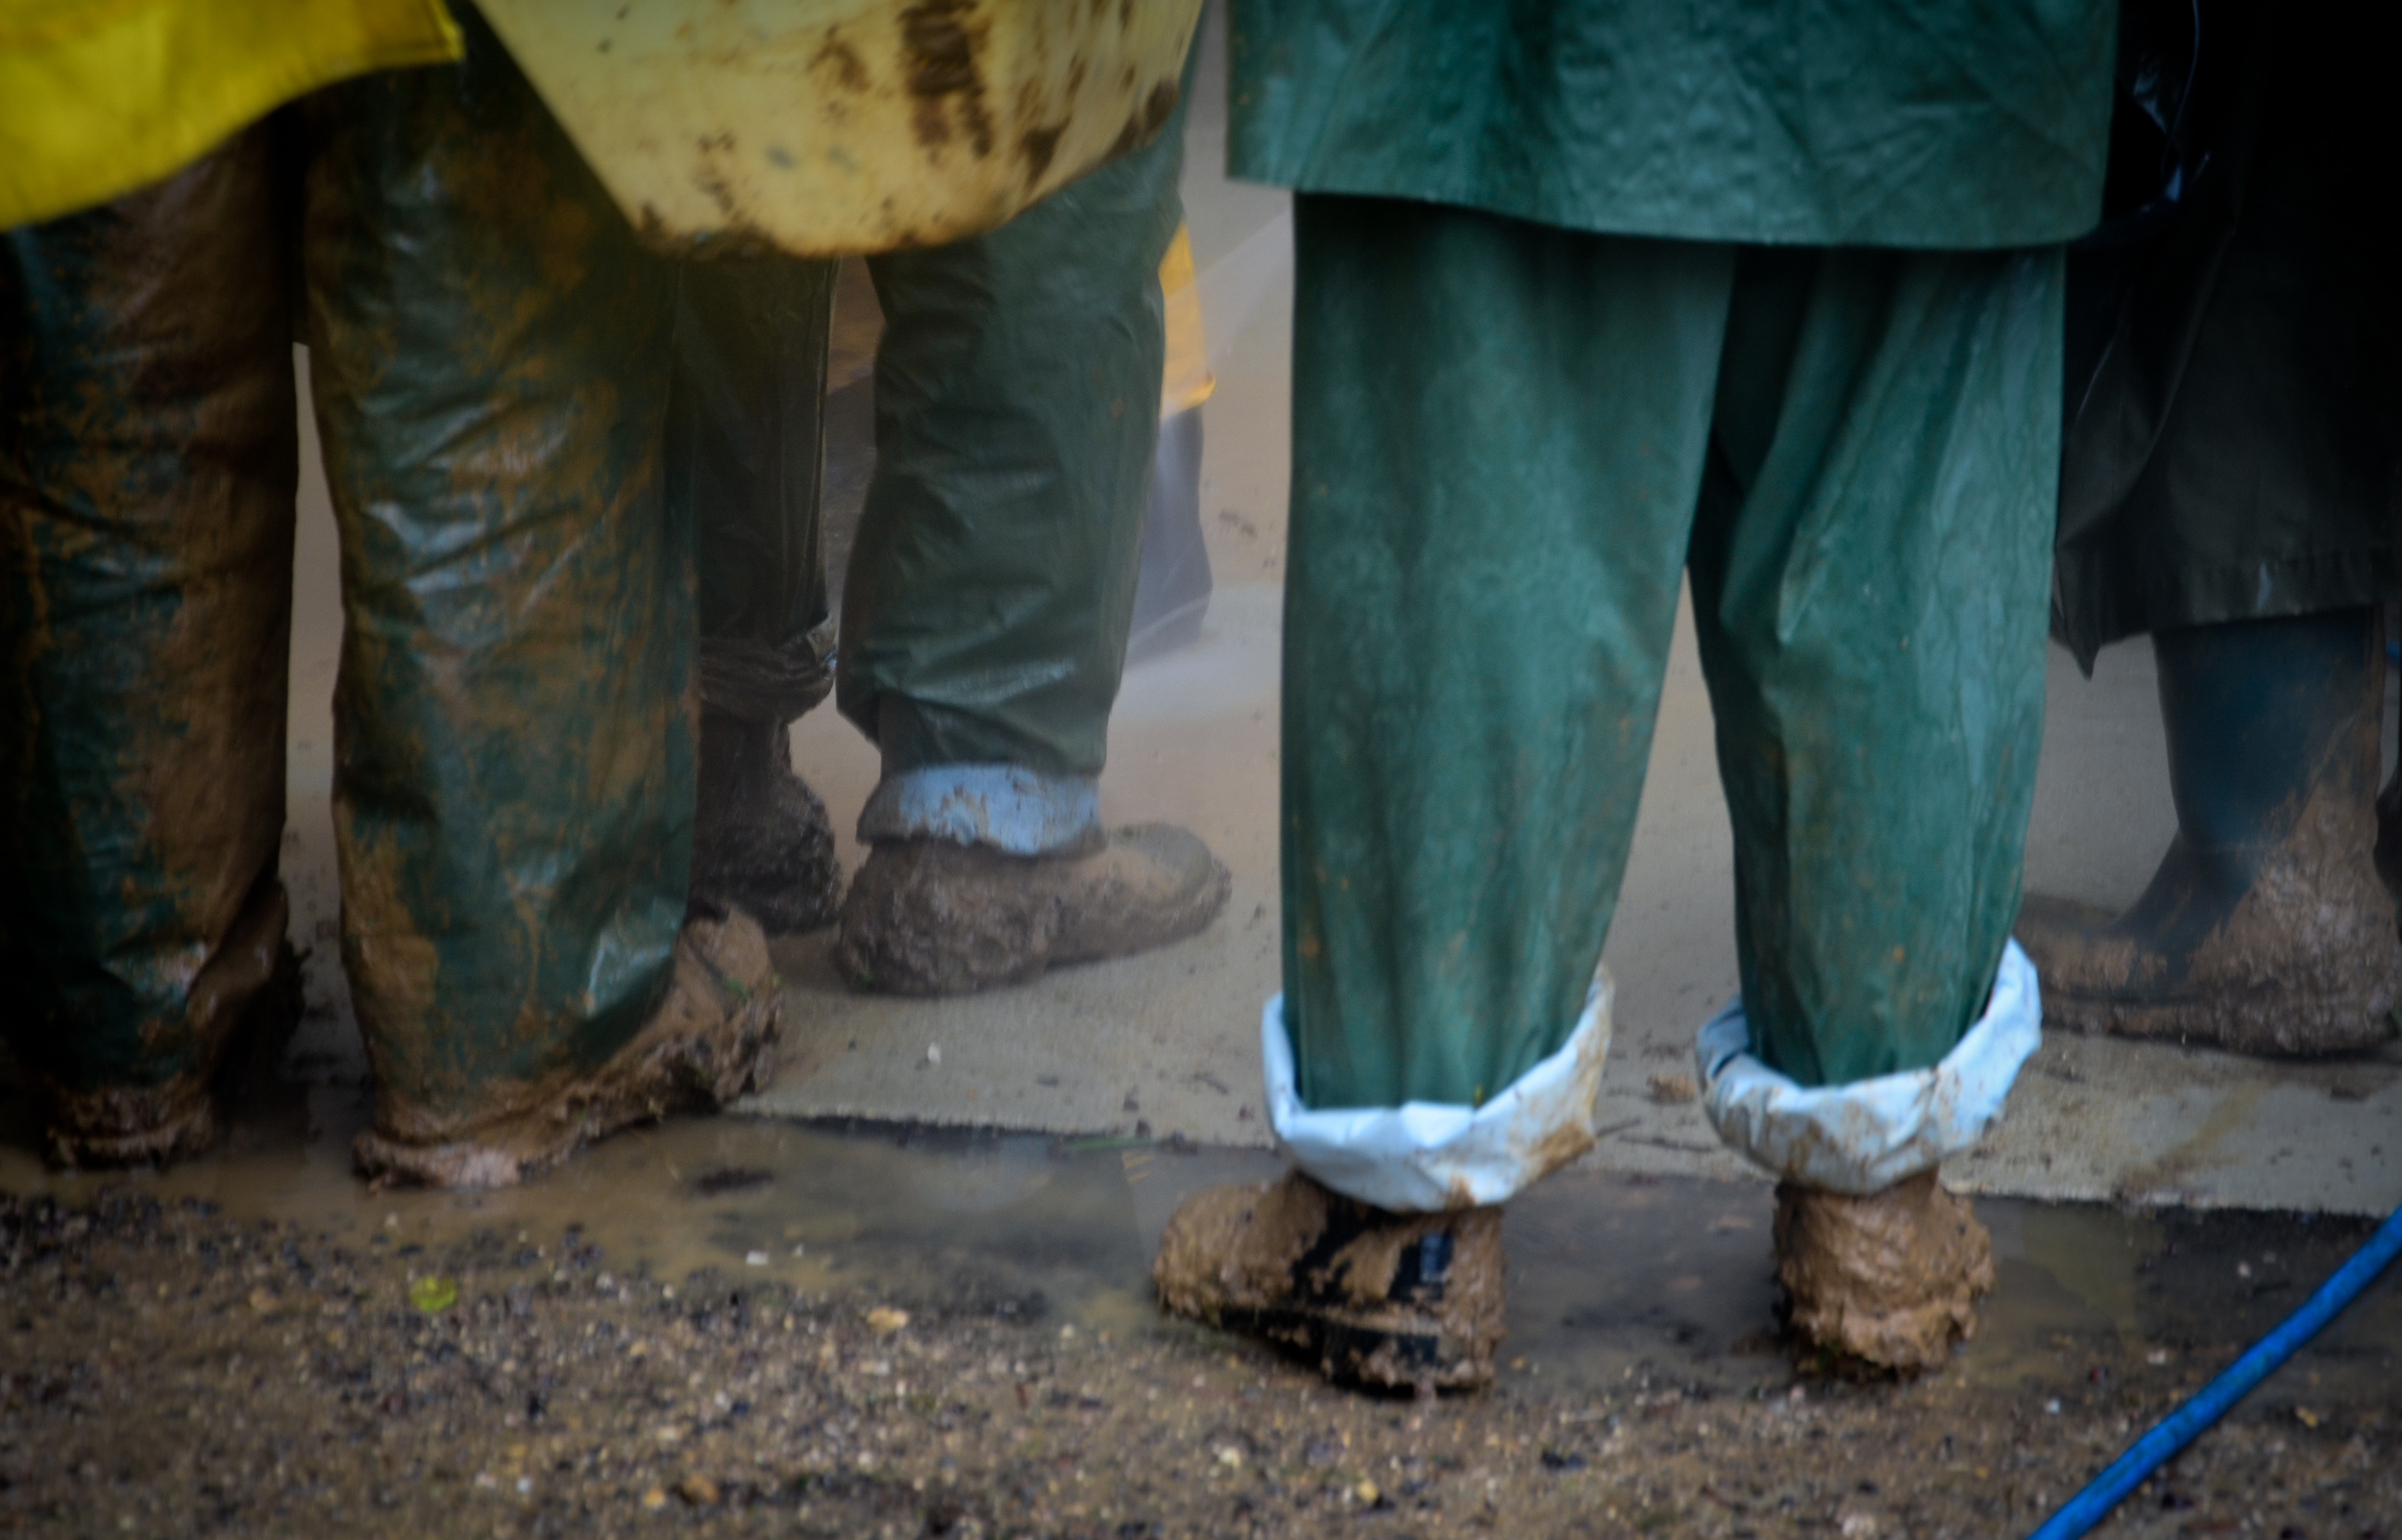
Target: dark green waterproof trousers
[(1508, 442), (1016, 403), (516, 707)]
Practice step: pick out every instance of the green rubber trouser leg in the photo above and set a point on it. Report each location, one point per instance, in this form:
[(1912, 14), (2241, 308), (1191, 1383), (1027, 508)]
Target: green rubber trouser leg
[(516, 707), (1869, 578), (1490, 507), (745, 459), (1017, 399), (148, 464), (746, 454)]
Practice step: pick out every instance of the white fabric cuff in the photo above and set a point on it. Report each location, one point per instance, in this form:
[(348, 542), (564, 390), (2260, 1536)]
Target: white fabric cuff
[(1865, 1137), (1005, 806), (1427, 1156)]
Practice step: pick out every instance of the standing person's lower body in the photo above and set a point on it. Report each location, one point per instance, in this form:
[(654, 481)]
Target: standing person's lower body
[(1508, 442), (515, 712), (2229, 488), (986, 605)]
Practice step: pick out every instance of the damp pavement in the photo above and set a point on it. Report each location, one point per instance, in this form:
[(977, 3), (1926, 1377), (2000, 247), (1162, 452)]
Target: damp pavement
[(738, 1326)]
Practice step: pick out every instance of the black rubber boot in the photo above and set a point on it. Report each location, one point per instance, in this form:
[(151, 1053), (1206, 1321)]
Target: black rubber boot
[(2265, 929), (1172, 593), (761, 842)]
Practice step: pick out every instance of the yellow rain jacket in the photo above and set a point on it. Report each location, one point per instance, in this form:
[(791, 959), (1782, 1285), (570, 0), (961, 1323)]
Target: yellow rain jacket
[(99, 97)]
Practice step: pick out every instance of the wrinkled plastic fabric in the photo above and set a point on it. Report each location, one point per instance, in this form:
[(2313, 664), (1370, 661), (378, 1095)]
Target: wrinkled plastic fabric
[(1841, 122), (1863, 1138), (515, 717), (746, 461), (148, 465), (99, 98), (1424, 1156), (1509, 441), (515, 712), (1017, 399), (2233, 450)]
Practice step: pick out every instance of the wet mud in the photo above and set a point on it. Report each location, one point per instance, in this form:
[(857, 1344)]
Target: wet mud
[(1890, 1280), (721, 1327), (930, 918), (1400, 1301), (712, 1038), (2307, 961)]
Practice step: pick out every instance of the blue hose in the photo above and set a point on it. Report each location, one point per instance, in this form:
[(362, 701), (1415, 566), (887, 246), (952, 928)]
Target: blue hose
[(2181, 1426)]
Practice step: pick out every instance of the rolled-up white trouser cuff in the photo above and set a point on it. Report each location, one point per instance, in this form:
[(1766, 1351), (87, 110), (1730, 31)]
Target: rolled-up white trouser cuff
[(1008, 807), (1425, 1157), (1865, 1137)]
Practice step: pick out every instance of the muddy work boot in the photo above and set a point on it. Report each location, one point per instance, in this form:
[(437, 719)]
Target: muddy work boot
[(2267, 929), (1890, 1280), (712, 1038), (1373, 1298), (931, 916), (761, 839)]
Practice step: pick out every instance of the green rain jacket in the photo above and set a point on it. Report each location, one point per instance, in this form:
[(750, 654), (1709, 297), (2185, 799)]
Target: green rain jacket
[(1941, 124)]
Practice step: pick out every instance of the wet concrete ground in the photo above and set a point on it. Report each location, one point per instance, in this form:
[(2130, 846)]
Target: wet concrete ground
[(741, 1325)]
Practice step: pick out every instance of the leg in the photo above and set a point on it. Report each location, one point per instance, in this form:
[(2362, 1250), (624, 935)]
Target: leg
[(148, 465), (745, 460), (2266, 928), (1498, 437), (985, 612), (516, 709), (1869, 572)]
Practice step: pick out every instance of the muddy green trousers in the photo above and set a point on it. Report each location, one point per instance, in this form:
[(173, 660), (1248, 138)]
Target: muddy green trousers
[(515, 710), (1509, 441), (1017, 402)]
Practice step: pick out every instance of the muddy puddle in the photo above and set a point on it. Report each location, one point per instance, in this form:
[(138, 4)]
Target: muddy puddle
[(1612, 1279), (744, 1326)]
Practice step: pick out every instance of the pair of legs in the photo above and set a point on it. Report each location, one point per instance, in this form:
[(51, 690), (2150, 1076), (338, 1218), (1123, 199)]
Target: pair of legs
[(987, 606), (1509, 441), (516, 709)]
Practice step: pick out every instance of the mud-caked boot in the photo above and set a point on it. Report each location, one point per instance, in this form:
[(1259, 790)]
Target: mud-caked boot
[(1890, 1280), (762, 842), (934, 916), (2265, 929), (1394, 1300), (711, 1039)]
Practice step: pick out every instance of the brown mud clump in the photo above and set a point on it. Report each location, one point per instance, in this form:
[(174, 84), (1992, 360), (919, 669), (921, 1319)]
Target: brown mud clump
[(712, 1038), (927, 916), (1403, 1301), (2305, 962), (1890, 1280)]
